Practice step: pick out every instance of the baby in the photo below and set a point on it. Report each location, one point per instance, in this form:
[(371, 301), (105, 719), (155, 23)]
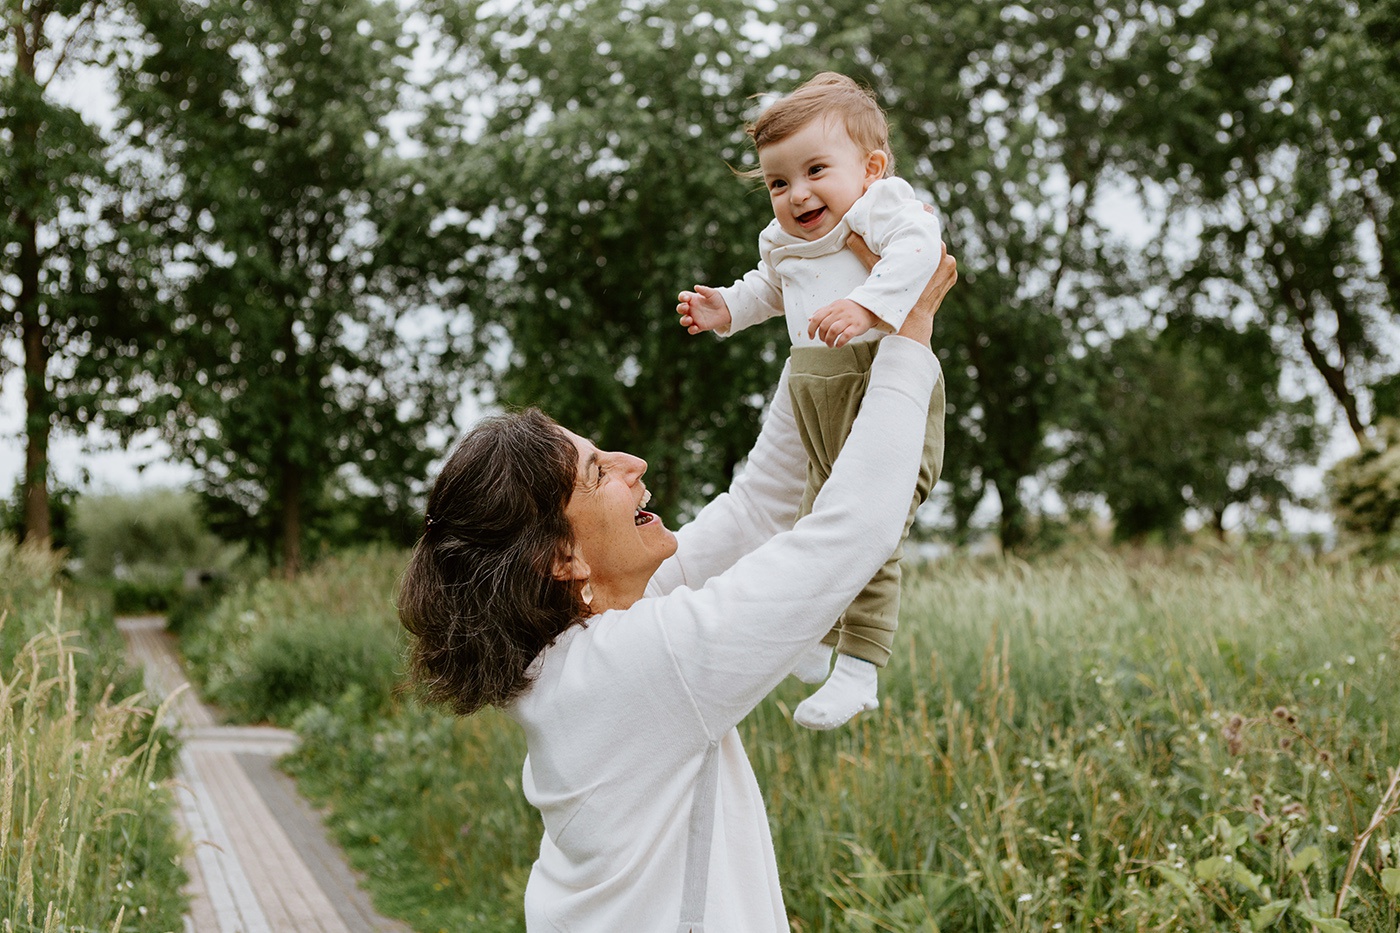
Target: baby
[(824, 155)]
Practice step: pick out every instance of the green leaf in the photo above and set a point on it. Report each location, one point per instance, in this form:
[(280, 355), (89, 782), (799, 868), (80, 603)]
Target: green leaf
[(1212, 868), (1177, 880), (1263, 917), (1304, 860), (1390, 881), (1244, 877)]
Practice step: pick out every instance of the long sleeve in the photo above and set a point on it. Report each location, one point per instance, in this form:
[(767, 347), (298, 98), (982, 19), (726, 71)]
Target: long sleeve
[(758, 296), (734, 639), (907, 239), (760, 503)]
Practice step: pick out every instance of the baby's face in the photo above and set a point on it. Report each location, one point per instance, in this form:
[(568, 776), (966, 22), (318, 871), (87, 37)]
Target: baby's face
[(815, 175)]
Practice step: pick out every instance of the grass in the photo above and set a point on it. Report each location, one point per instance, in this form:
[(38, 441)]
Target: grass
[(1100, 741), (87, 842)]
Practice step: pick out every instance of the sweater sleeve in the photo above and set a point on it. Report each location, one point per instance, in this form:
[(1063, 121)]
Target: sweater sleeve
[(761, 502), (758, 296), (733, 640), (907, 239)]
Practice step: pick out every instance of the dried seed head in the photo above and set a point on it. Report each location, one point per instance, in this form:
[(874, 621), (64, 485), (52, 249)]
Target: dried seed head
[(1235, 745), (1236, 721), (1324, 756), (1280, 712), (1256, 803), (1286, 742), (1292, 720)]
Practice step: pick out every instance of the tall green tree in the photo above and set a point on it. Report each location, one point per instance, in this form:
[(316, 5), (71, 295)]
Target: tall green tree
[(998, 111), (291, 351), (1188, 418), (597, 187), (1271, 125), (54, 238)]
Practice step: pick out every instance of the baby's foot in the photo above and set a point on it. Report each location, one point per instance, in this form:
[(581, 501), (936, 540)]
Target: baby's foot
[(814, 664), (852, 688)]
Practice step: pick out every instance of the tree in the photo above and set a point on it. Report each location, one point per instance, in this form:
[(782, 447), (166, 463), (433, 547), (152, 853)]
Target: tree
[(1189, 418), (998, 112), (598, 188), (54, 238), (1269, 124), (285, 353)]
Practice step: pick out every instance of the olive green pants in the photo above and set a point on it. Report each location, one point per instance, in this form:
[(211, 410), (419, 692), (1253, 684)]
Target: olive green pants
[(827, 386)]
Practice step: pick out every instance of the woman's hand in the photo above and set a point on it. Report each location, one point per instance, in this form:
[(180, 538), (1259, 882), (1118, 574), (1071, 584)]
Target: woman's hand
[(919, 324)]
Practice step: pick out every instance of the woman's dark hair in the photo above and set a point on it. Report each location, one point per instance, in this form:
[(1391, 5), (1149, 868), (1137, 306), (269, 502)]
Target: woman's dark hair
[(479, 594)]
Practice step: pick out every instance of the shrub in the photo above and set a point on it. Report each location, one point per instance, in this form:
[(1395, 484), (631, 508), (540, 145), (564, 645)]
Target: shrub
[(271, 648), (1366, 488), (154, 534)]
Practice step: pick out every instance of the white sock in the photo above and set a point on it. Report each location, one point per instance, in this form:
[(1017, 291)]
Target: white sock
[(814, 664), (853, 687)]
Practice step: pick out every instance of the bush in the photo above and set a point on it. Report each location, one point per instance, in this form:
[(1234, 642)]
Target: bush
[(270, 649), (156, 534), (1366, 489)]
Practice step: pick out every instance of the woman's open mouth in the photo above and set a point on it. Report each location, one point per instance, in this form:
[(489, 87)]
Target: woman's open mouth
[(811, 218), (643, 518)]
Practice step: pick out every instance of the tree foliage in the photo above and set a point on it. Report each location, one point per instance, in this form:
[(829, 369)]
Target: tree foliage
[(598, 188), (287, 353), (1270, 124), (59, 236), (1189, 418)]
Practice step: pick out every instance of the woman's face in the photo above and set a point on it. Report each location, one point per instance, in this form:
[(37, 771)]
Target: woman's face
[(621, 544)]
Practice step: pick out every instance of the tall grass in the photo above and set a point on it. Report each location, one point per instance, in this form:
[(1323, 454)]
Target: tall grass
[(86, 837), (1102, 741)]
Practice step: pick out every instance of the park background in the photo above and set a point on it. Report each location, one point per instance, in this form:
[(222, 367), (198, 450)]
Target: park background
[(281, 254)]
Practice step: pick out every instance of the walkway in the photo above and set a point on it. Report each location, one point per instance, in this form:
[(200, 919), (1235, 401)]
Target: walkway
[(260, 861)]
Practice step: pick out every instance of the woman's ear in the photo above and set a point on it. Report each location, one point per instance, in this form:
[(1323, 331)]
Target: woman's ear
[(875, 164), (571, 566)]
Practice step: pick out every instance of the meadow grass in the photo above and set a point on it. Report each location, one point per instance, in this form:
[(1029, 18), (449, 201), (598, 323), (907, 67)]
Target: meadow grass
[(1098, 741), (87, 842)]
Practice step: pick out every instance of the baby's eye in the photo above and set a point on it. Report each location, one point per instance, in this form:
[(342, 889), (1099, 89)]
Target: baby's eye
[(776, 185), (815, 170)]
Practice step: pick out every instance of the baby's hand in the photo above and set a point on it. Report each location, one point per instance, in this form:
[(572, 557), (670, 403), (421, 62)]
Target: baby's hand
[(840, 322), (703, 309)]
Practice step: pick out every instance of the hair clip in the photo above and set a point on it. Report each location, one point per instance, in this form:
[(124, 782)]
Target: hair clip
[(428, 520)]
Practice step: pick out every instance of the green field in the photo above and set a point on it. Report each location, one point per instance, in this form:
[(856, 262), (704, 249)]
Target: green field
[(1115, 741)]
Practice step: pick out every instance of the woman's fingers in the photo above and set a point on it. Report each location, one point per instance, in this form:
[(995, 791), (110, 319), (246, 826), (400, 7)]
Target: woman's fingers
[(856, 244), (919, 324)]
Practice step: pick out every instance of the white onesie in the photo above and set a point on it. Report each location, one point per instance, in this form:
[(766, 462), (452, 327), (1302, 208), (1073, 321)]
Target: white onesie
[(797, 277)]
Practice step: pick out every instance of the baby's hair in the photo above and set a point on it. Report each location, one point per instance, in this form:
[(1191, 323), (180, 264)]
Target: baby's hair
[(829, 96)]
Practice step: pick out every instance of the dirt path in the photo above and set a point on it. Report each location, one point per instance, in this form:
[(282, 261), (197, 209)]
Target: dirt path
[(260, 861)]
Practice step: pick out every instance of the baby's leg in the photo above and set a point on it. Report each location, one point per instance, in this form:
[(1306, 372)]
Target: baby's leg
[(826, 386), (868, 627)]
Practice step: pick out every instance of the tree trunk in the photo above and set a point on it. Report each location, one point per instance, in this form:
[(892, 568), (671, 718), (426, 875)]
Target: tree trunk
[(37, 525), (1013, 515), (291, 520)]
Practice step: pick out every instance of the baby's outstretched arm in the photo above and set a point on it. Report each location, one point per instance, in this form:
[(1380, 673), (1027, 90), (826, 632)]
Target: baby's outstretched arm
[(703, 309)]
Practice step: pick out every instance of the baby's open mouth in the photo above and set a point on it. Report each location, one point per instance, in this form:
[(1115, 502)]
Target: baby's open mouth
[(811, 218)]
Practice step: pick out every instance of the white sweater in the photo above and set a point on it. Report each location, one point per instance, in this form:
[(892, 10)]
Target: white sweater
[(796, 277), (623, 712)]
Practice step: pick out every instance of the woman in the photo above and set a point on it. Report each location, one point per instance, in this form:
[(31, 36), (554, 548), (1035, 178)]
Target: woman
[(628, 654)]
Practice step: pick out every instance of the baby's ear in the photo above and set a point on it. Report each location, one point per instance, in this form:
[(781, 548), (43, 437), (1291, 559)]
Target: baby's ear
[(876, 161)]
